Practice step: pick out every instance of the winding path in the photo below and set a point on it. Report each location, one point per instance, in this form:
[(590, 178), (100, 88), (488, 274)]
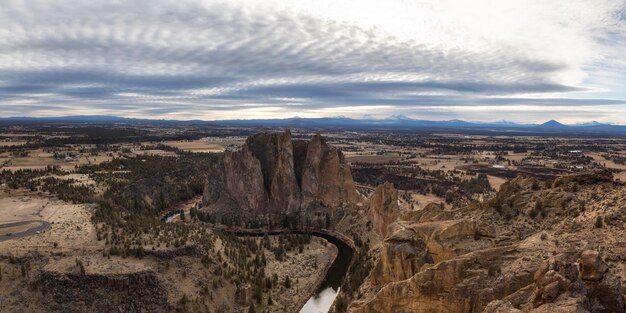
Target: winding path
[(43, 225)]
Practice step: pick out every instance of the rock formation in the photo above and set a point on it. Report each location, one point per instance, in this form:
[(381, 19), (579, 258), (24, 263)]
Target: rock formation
[(273, 173), (508, 254), (324, 175), (383, 208), (135, 292), (561, 286)]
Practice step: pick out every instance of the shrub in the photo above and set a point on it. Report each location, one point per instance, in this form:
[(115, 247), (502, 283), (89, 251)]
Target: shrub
[(535, 185), (598, 223)]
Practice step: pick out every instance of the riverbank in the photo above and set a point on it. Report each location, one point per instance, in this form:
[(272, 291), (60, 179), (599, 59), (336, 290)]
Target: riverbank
[(327, 285), (306, 271), (317, 286)]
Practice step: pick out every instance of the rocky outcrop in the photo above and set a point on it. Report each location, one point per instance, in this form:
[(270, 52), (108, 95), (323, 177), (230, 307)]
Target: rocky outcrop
[(325, 175), (136, 292), (236, 173), (556, 281), (592, 268), (383, 208), (562, 286), (602, 288), (275, 154), (461, 284), (585, 178), (243, 178), (402, 256), (411, 247), (516, 252), (273, 173)]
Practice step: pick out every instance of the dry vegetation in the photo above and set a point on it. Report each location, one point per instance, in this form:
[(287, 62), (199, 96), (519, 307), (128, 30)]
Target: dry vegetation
[(104, 195)]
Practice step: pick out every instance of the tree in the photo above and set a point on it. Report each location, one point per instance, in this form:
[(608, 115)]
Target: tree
[(449, 197), (598, 223), (269, 297), (80, 265), (535, 185), (287, 282)]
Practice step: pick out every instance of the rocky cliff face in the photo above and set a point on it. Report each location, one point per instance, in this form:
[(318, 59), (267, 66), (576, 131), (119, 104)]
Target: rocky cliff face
[(508, 255), (326, 177), (383, 208), (275, 155), (273, 173), (563, 286), (136, 292)]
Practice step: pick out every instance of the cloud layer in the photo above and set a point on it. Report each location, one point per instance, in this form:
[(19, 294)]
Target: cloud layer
[(218, 60)]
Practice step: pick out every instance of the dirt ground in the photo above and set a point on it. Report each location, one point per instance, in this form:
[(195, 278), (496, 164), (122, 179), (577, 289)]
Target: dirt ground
[(12, 143), (70, 224), (496, 182), (621, 176), (20, 205), (155, 152)]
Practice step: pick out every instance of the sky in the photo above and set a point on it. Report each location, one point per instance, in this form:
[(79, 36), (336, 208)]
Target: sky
[(481, 60)]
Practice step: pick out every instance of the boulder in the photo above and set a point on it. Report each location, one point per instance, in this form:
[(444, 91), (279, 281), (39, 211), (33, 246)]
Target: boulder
[(569, 287), (591, 265), (603, 289)]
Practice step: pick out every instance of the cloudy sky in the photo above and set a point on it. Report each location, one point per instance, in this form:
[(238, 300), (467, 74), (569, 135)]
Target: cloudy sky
[(479, 60)]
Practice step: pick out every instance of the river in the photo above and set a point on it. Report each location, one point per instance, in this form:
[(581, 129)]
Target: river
[(324, 296)]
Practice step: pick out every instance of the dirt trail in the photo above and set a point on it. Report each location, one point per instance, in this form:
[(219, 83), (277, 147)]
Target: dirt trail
[(43, 225)]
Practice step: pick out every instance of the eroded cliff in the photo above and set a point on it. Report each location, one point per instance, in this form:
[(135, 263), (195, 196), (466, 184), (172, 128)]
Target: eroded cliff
[(274, 173), (534, 247)]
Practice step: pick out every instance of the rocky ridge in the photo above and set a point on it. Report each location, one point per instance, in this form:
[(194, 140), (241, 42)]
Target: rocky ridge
[(508, 254)]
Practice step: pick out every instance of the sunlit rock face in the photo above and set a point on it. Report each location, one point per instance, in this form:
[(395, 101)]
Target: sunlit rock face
[(326, 177), (273, 173), (467, 259), (383, 208)]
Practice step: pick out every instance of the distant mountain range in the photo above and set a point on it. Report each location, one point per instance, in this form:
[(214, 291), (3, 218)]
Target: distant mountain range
[(396, 121)]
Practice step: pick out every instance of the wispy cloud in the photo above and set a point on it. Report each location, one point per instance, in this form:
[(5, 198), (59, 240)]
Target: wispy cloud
[(214, 60)]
